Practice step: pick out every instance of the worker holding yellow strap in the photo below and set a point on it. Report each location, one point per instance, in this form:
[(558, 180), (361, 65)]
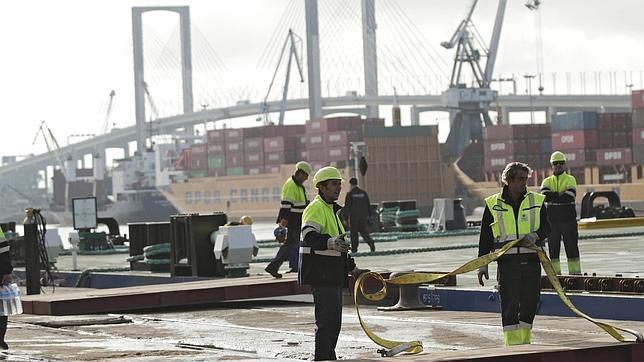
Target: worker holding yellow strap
[(515, 213)]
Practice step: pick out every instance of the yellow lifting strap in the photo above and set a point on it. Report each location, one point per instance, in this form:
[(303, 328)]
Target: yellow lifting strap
[(413, 347)]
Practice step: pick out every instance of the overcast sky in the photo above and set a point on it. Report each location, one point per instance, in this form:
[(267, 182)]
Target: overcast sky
[(60, 59)]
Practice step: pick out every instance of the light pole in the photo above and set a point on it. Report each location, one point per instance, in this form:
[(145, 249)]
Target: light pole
[(529, 91), (629, 88)]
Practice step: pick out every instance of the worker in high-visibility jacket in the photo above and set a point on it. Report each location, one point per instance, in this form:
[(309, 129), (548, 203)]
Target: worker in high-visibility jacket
[(5, 274), (293, 202), (560, 190), (324, 263), (515, 213)]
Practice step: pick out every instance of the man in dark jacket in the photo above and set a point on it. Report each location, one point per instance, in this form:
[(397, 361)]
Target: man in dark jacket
[(324, 262), (357, 210), (5, 271)]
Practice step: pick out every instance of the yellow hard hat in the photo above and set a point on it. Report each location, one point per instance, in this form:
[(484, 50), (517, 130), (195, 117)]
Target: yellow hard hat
[(304, 166), (557, 157), (246, 220), (326, 173)]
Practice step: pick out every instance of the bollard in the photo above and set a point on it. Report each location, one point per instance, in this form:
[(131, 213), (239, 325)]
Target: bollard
[(32, 256), (409, 296)]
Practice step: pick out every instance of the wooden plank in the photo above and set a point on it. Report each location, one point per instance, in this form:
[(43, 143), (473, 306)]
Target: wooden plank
[(612, 223), (161, 295)]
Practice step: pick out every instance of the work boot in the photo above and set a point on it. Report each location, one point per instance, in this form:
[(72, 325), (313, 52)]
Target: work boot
[(274, 273), (3, 345), (372, 247)]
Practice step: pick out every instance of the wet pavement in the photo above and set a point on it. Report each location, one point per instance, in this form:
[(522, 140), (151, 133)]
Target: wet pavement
[(283, 328)]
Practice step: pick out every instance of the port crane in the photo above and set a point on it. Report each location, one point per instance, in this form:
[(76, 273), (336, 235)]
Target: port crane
[(469, 105), (295, 41), (108, 111)]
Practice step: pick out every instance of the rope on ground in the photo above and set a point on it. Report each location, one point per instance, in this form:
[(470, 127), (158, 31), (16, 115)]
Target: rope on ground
[(413, 347), (85, 273)]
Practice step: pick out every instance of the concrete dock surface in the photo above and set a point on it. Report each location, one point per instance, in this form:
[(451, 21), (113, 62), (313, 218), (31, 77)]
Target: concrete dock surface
[(282, 328)]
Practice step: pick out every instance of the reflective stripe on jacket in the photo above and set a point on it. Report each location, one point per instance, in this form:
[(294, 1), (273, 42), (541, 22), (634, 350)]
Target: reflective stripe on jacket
[(505, 227), (293, 202), (318, 264), (561, 192)]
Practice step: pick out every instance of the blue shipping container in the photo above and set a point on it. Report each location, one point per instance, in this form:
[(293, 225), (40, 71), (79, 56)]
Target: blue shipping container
[(573, 121), (546, 145)]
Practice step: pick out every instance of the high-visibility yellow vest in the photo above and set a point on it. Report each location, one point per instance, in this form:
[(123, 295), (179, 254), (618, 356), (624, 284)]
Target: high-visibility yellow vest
[(319, 217), (293, 196), (505, 227), (562, 183)]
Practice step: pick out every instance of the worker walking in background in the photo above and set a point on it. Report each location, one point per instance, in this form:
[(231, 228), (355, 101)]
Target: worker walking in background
[(560, 191), (357, 210), (515, 213), (324, 263), (292, 205), (5, 272)]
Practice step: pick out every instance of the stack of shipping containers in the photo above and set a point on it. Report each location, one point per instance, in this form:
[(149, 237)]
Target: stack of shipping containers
[(216, 153), (405, 163), (575, 134), (530, 144), (638, 127), (614, 142)]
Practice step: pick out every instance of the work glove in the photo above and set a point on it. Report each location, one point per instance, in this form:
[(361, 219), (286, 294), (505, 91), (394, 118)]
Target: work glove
[(338, 244), (529, 240), (483, 273), (356, 272)]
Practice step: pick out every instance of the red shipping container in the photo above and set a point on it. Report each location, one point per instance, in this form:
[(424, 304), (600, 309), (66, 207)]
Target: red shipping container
[(198, 149), (605, 139), (215, 135), (637, 99), (497, 163), (339, 153), (533, 146), (253, 144), (303, 154), (574, 140), (638, 118), (614, 156), (316, 141), (253, 170), (622, 139), (638, 136), (233, 135), (234, 159), (216, 148), (497, 132), (498, 147), (281, 143), (575, 158), (252, 132), (301, 141), (253, 158), (336, 139), (235, 147), (272, 169)]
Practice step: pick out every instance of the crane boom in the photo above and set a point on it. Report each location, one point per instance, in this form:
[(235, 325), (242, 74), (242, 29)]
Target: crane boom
[(108, 112)]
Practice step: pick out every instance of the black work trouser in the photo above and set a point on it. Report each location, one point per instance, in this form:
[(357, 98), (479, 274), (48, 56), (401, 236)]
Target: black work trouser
[(567, 230), (359, 225), (328, 319), (519, 287), (3, 327), (292, 242)]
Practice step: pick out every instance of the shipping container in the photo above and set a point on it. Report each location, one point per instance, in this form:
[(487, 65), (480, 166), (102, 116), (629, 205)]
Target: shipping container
[(637, 99), (233, 135), (234, 171), (638, 154), (280, 143), (338, 138), (638, 136), (215, 172), (216, 148), (216, 161), (215, 136), (503, 132), (614, 156), (498, 147), (338, 153), (252, 132), (638, 118), (275, 169), (277, 131), (316, 141), (254, 144), (572, 121), (614, 121), (254, 158), (545, 145), (497, 163), (235, 147), (253, 170), (571, 140), (280, 157), (234, 159), (579, 157)]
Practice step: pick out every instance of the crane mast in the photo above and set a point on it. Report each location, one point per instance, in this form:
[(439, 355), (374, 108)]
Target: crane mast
[(470, 105)]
